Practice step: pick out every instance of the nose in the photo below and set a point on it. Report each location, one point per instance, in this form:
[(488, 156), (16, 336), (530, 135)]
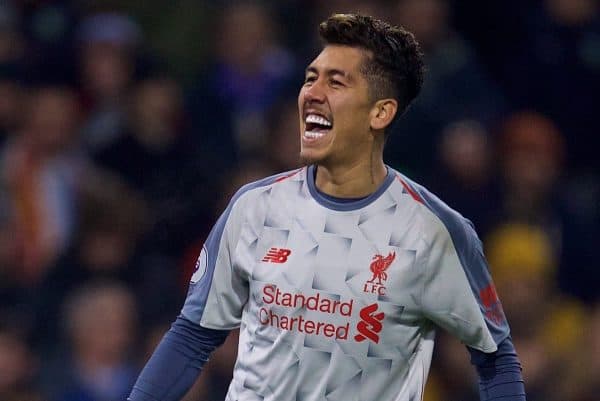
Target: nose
[(315, 92)]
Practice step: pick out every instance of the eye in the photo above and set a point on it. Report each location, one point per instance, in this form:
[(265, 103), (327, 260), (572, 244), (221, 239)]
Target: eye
[(310, 79), (335, 83)]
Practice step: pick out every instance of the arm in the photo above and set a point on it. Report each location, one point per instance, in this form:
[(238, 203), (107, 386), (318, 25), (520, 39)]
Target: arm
[(184, 350), (499, 373), (459, 296), (216, 297)]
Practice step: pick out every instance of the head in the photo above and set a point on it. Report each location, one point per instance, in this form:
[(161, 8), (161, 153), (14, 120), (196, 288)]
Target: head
[(101, 319), (156, 112), (12, 96), (17, 361), (465, 152), (112, 218), (245, 32), (364, 78), (108, 42), (532, 154), (429, 20), (53, 117)]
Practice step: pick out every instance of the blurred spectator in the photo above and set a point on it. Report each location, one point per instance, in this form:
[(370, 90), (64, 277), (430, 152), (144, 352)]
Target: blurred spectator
[(250, 69), (455, 87), (176, 31), (535, 191), (48, 27), (282, 145), (589, 385), (111, 221), (18, 368), (443, 383), (13, 300), (11, 100), (40, 166), (160, 158), (97, 366), (463, 177), (547, 328), (580, 380), (108, 43), (323, 9), (532, 160), (251, 170), (581, 238), (558, 72), (11, 43)]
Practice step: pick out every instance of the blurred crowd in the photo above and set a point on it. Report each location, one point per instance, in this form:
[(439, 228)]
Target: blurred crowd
[(124, 129)]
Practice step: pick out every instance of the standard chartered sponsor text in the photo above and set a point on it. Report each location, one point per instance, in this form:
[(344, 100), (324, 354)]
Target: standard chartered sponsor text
[(274, 296)]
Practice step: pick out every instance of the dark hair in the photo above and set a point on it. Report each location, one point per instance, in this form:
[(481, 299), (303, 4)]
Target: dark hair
[(394, 67)]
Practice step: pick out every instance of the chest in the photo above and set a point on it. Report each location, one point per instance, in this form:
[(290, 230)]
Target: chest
[(367, 255)]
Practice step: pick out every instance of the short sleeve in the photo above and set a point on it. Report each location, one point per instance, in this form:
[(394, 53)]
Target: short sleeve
[(218, 292), (458, 293)]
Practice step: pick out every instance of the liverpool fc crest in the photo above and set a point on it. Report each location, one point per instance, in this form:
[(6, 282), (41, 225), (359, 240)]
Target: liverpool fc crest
[(379, 265)]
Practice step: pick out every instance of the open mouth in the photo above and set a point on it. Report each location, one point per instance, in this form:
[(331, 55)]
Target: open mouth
[(317, 126)]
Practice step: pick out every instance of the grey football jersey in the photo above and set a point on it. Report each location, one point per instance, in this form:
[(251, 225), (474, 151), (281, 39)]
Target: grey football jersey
[(340, 299)]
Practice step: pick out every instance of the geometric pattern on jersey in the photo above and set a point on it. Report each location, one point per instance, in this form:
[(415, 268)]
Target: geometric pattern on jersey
[(349, 309)]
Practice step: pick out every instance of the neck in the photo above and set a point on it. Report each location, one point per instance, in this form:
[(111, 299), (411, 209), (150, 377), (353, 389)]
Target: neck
[(354, 181)]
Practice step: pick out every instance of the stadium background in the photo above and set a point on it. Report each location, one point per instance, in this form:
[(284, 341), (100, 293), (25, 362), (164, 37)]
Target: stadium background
[(125, 127)]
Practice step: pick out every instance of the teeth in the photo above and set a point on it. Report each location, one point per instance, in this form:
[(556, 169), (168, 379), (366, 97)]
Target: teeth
[(313, 134), (316, 119)]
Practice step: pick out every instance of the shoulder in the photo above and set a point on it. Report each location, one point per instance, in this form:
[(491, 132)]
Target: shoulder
[(246, 201), (249, 191), (438, 217)]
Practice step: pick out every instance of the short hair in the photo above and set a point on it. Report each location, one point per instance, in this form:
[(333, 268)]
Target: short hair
[(394, 67)]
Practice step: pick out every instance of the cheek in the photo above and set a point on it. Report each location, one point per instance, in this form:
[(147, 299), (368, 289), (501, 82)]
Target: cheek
[(300, 104), (301, 97), (352, 123)]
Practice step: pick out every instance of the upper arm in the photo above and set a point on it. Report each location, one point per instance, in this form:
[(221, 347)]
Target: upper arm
[(218, 292), (458, 293)]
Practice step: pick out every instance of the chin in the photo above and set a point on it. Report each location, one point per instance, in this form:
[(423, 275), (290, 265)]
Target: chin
[(310, 157), (307, 160)]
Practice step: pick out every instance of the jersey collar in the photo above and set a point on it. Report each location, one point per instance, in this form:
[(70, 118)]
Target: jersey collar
[(345, 204)]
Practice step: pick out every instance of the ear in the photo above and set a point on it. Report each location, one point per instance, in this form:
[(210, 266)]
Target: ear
[(383, 113)]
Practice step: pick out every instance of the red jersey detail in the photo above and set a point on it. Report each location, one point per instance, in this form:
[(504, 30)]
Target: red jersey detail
[(489, 296), (379, 266), (411, 191), (370, 325), (285, 177), (491, 304), (277, 255)]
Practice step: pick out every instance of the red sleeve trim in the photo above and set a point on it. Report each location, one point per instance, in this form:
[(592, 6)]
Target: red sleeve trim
[(411, 191), (285, 177)]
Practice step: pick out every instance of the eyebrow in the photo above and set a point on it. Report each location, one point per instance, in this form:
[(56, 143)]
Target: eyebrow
[(329, 72)]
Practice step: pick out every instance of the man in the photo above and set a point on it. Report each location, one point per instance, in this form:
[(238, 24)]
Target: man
[(338, 273)]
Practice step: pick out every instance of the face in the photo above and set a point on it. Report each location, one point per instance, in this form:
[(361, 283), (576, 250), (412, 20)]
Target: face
[(106, 69), (52, 119), (335, 109), (245, 34)]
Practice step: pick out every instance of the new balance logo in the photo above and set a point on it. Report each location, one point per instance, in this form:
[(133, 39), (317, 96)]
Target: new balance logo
[(277, 255), (370, 325)]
